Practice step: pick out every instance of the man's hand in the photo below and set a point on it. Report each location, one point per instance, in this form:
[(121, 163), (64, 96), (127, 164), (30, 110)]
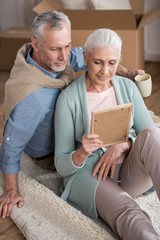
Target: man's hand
[(133, 72), (129, 73), (7, 202), (10, 196)]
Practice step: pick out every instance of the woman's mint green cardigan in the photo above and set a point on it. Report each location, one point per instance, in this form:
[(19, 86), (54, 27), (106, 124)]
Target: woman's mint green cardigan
[(72, 121)]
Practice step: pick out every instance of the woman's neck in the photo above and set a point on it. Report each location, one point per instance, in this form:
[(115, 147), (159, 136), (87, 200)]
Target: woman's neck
[(95, 87)]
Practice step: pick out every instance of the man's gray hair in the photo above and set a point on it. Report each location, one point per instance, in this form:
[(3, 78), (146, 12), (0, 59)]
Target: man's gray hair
[(53, 18), (100, 38)]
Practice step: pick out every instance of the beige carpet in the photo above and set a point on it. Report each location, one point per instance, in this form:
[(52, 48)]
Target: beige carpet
[(45, 216)]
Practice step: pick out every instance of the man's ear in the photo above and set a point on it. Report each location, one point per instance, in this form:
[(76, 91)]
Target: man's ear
[(35, 44)]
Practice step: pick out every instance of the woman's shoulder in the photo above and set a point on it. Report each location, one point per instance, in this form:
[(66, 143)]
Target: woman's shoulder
[(123, 81), (73, 87), (72, 92)]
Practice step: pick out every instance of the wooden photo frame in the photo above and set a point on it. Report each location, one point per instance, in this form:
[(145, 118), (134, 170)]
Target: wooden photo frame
[(112, 125)]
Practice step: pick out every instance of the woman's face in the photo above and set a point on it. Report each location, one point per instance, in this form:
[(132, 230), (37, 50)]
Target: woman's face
[(102, 64)]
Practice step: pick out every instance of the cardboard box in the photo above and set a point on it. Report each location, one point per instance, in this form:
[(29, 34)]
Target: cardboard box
[(127, 23), (10, 41)]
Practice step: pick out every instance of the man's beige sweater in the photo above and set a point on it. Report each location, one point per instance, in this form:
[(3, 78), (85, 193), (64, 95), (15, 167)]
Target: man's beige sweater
[(25, 79)]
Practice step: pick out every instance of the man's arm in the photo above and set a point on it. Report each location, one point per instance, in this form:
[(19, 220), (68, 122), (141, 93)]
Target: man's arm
[(129, 73), (19, 129), (10, 195)]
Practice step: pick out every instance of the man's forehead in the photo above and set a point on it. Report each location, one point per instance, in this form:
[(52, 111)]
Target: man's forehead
[(57, 37)]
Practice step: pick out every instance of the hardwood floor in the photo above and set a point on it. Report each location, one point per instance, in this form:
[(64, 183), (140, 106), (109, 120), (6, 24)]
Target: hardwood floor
[(153, 102), (8, 230)]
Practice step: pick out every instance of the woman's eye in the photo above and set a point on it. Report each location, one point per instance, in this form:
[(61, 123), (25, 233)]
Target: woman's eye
[(97, 62), (112, 62)]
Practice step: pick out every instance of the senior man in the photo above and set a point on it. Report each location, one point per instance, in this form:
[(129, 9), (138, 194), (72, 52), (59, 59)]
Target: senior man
[(40, 71)]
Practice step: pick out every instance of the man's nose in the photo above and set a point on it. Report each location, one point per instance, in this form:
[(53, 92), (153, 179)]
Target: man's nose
[(62, 55)]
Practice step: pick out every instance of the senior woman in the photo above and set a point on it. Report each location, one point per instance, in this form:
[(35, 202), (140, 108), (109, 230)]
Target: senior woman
[(100, 180)]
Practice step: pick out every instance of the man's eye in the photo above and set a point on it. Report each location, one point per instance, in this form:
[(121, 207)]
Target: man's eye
[(97, 62), (54, 49)]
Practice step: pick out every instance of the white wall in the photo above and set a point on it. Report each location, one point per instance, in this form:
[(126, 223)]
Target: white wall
[(16, 13), (152, 35)]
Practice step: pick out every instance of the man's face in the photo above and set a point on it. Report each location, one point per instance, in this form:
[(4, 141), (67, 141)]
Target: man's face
[(53, 50)]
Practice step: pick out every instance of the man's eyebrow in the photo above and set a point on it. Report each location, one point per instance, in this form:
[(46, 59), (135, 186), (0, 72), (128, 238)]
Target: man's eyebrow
[(68, 43), (60, 47)]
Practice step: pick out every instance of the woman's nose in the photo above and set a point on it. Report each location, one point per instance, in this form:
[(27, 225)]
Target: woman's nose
[(105, 69)]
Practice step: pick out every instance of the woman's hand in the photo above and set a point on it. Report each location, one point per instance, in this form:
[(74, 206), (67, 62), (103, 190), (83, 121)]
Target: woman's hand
[(114, 155), (90, 143)]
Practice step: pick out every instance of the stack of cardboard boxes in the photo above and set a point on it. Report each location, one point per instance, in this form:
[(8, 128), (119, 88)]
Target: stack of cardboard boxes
[(10, 41), (127, 23)]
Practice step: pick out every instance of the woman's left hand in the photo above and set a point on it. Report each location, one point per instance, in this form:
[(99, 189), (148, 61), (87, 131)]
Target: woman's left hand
[(115, 154)]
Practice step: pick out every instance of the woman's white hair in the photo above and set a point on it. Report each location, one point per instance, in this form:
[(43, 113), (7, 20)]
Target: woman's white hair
[(100, 38)]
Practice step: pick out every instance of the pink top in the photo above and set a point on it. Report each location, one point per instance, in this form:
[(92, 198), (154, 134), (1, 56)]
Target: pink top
[(102, 100)]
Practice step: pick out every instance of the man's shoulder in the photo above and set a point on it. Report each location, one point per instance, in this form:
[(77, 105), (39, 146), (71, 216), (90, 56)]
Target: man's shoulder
[(76, 59), (37, 99), (75, 49)]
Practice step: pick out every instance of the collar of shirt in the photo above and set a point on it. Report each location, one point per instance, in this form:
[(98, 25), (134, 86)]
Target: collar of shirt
[(31, 61)]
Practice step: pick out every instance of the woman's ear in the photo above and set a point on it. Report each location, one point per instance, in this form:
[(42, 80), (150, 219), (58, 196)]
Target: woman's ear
[(35, 44), (84, 56)]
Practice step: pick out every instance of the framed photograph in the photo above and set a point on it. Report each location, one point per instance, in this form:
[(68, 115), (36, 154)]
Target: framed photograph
[(112, 125)]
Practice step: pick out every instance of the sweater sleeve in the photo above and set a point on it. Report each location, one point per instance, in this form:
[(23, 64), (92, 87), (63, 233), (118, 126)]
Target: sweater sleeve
[(127, 92), (142, 118), (64, 138)]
